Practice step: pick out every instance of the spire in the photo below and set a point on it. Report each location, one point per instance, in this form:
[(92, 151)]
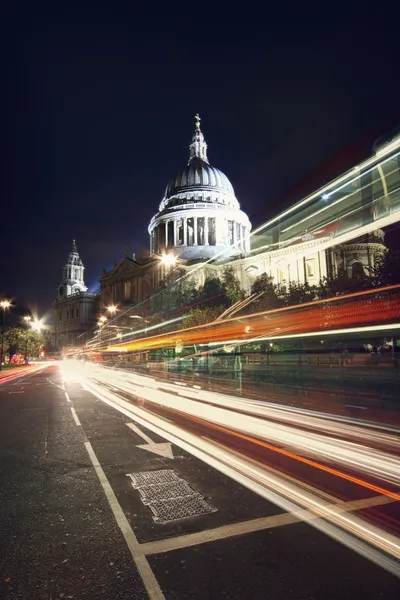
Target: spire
[(74, 248), (198, 147)]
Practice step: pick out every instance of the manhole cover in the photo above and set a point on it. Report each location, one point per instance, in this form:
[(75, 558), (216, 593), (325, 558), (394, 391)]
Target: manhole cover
[(168, 496), (180, 508), (153, 477), (160, 491)]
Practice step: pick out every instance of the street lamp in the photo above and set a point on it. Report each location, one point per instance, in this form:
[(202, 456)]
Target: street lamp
[(112, 309), (4, 304), (27, 319), (168, 260)]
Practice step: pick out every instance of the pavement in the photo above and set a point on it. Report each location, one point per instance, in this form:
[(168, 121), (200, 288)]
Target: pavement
[(89, 509)]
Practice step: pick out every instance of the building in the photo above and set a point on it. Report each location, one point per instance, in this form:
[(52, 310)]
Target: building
[(200, 221), (75, 308)]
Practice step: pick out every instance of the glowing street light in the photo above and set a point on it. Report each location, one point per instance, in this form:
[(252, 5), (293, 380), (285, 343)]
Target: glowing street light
[(168, 260), (4, 304), (37, 326), (112, 309)]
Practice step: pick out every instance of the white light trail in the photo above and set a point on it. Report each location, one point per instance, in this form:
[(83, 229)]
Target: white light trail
[(377, 545)]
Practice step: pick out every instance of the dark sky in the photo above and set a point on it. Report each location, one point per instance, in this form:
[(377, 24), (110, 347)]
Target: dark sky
[(97, 110)]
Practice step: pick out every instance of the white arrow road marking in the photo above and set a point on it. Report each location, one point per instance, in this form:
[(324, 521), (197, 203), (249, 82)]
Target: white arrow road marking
[(162, 449)]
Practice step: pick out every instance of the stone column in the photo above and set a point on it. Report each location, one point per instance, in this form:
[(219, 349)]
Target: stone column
[(234, 233), (194, 231), (166, 235), (184, 220), (175, 232), (206, 231)]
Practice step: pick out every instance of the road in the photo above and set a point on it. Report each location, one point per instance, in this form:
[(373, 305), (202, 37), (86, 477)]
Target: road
[(109, 491)]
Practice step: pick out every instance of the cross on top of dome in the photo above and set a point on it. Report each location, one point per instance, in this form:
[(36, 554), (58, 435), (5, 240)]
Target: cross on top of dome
[(198, 147)]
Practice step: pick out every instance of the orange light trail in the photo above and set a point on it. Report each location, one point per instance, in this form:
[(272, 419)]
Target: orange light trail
[(307, 461)]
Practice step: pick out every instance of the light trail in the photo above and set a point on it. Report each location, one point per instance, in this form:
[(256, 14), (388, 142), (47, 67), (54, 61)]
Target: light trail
[(369, 309), (312, 463), (361, 536)]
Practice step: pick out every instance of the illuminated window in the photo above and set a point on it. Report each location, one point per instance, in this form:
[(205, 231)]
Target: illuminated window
[(310, 268)]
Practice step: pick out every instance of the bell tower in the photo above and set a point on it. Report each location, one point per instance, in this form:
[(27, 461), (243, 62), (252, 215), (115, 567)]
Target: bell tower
[(72, 275)]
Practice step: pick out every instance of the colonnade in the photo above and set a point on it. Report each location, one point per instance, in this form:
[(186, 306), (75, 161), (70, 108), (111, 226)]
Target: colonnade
[(198, 231)]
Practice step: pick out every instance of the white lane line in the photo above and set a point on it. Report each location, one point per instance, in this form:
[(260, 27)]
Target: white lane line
[(77, 421), (16, 392), (150, 582), (140, 433), (246, 527), (67, 397)]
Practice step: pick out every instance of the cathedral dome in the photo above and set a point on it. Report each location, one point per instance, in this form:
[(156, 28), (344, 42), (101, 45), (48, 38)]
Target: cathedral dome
[(199, 216), (198, 175)]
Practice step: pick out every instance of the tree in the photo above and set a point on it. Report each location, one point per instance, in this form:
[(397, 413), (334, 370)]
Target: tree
[(271, 297), (213, 293), (386, 270), (231, 283), (299, 293), (20, 341), (202, 316)]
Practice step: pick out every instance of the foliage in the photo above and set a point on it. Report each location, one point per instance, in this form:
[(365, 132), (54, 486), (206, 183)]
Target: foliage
[(20, 341), (202, 316), (213, 293), (232, 285), (386, 270), (300, 293), (271, 297)]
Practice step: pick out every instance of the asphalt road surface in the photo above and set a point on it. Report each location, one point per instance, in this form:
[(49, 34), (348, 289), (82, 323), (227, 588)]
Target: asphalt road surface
[(94, 505)]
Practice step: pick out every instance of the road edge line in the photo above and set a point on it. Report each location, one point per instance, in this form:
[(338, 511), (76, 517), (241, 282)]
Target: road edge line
[(143, 566)]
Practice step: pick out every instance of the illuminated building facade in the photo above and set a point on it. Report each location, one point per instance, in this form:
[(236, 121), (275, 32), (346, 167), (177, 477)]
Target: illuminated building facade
[(334, 231), (75, 308)]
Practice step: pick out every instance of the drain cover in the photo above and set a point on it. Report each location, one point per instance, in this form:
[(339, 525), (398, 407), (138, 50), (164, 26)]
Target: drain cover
[(154, 493), (168, 496), (144, 478), (180, 508)]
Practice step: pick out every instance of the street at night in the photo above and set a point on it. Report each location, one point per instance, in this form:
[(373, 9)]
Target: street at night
[(199, 303), (222, 518)]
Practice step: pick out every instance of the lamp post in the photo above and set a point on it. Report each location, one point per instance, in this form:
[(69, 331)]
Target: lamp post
[(4, 304), (27, 319)]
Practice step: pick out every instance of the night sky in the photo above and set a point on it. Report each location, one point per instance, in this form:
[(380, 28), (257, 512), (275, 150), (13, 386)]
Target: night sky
[(97, 110)]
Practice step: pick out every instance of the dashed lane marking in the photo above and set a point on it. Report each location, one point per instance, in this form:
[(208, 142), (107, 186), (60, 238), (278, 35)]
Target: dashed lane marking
[(67, 397), (245, 527), (150, 582), (76, 419)]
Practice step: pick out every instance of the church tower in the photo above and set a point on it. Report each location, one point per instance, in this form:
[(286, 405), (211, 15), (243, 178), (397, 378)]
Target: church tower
[(72, 275)]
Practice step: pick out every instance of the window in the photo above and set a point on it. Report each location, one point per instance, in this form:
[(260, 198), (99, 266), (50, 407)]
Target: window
[(310, 268)]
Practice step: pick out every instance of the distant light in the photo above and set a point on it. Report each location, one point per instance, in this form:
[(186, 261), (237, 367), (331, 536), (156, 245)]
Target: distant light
[(27, 318), (168, 259), (37, 325), (112, 309), (5, 304), (102, 319), (325, 196)]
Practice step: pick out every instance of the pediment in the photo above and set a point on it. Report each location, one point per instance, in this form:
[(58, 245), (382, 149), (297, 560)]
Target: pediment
[(126, 265)]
